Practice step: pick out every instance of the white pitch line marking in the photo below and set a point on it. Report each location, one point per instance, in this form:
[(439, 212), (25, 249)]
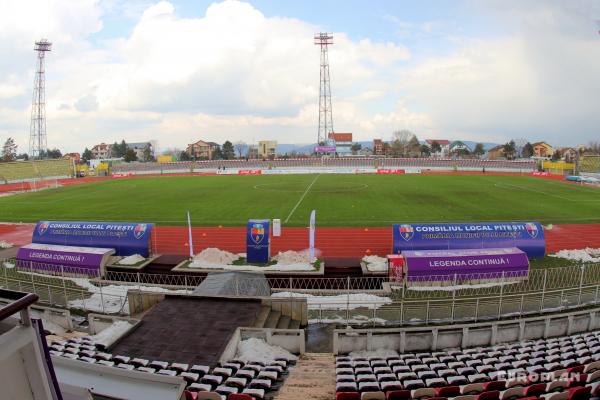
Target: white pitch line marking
[(301, 198)]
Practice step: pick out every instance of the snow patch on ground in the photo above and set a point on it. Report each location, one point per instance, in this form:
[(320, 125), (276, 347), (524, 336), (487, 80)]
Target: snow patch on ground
[(379, 353), (584, 255), (294, 257), (5, 245), (375, 263), (112, 333), (213, 255), (9, 265), (110, 299), (339, 302), (454, 287), (131, 260), (212, 258), (258, 350), (355, 320)]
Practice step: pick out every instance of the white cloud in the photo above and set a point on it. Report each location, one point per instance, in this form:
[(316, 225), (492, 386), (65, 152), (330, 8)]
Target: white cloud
[(233, 73)]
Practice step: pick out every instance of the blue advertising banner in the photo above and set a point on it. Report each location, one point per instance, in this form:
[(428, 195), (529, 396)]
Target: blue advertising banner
[(258, 243), (526, 236), (126, 238)]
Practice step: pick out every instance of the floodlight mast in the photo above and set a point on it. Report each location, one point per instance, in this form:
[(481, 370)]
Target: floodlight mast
[(38, 144), (325, 111)]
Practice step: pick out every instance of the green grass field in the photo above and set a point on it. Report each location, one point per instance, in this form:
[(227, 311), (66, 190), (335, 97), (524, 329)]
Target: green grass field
[(340, 200)]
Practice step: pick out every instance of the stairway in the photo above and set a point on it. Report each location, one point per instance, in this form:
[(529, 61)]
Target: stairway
[(268, 318), (312, 378)]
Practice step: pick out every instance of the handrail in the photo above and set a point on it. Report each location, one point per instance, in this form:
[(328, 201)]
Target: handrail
[(21, 302)]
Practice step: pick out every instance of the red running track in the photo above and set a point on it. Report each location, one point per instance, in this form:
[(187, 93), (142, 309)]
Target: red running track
[(332, 242)]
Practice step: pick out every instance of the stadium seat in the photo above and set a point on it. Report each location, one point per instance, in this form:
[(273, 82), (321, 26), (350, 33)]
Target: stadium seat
[(347, 396), (580, 393), (240, 396), (190, 395), (398, 395), (208, 396), (372, 396)]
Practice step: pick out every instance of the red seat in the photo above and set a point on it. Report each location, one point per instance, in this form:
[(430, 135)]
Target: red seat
[(448, 391), (578, 379), (398, 395), (492, 395), (239, 396), (190, 395), (347, 396), (575, 370), (494, 385), (535, 390), (580, 393)]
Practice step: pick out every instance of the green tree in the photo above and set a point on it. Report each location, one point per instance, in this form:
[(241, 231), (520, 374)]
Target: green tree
[(479, 150), (184, 156), (217, 153), (527, 151), (356, 147), (228, 150), (435, 147), (147, 155), (556, 156), (86, 155), (413, 147), (130, 155), (510, 150), (9, 150), (23, 156), (425, 150)]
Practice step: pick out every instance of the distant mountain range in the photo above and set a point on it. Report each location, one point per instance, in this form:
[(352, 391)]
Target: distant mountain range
[(308, 148)]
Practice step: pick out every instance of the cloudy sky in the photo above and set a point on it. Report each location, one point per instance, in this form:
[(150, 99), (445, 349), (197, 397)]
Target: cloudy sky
[(182, 70)]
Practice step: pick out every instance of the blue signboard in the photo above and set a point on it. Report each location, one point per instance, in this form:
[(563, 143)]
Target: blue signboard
[(126, 238), (527, 236), (258, 243)]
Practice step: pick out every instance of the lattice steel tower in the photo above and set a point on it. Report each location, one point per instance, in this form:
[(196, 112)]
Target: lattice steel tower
[(325, 113), (37, 130)]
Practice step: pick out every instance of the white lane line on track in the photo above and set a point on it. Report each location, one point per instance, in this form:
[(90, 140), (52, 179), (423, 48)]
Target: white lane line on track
[(301, 198)]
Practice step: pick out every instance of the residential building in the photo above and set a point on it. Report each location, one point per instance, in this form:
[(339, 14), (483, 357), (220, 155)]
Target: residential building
[(542, 149), (252, 151), (267, 148), (458, 148), (140, 148), (568, 154), (343, 143), (444, 145), (496, 153), (101, 151), (73, 156), (378, 147), (201, 150)]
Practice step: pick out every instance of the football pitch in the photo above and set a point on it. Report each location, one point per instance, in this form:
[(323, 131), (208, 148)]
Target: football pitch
[(340, 200)]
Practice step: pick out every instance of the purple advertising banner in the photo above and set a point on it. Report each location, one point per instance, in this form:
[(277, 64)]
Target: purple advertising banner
[(126, 238), (445, 265), (325, 149), (527, 236), (45, 257)]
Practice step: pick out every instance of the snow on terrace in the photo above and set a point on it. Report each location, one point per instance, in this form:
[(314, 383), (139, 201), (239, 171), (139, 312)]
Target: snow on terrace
[(583, 255), (213, 258), (5, 245), (131, 260), (349, 301), (375, 263), (258, 350), (110, 334), (111, 299)]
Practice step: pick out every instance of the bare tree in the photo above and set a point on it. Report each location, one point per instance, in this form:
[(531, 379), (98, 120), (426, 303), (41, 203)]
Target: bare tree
[(400, 142), (594, 147), (240, 147), (519, 144), (171, 151)]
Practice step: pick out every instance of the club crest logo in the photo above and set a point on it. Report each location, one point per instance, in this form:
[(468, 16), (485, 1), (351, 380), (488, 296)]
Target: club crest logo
[(257, 233), (140, 231), (532, 230), (407, 232), (43, 227)]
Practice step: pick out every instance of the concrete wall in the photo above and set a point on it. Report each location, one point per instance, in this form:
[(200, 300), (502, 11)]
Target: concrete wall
[(428, 338), (292, 340), (293, 307), (140, 301)]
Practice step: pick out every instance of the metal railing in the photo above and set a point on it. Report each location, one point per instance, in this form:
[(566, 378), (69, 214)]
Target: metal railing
[(460, 299)]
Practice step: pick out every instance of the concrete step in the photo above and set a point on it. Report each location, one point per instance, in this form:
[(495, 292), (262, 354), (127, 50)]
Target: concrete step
[(313, 377), (294, 324), (272, 319), (262, 316), (284, 322)]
